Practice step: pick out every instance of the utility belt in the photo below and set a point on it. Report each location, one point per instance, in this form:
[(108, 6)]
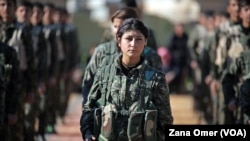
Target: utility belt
[(141, 125)]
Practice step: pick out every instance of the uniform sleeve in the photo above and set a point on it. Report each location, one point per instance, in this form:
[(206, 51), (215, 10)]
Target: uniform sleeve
[(244, 97), (87, 120), (90, 72), (192, 41), (161, 100), (13, 81), (230, 78)]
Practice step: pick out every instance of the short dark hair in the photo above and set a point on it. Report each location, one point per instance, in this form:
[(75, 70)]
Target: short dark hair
[(24, 3), (50, 5), (242, 3), (37, 4), (132, 24), (125, 13)]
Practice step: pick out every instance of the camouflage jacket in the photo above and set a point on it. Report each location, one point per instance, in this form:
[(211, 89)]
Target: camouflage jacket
[(219, 45), (143, 85), (238, 71), (105, 54)]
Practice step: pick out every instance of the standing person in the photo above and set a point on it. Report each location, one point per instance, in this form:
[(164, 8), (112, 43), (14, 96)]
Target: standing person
[(200, 64), (128, 89), (9, 83), (194, 41), (105, 53), (15, 32), (52, 64), (177, 46), (9, 65), (23, 14), (40, 51), (218, 55), (237, 73)]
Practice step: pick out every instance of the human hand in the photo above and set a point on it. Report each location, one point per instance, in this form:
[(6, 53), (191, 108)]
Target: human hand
[(89, 138)]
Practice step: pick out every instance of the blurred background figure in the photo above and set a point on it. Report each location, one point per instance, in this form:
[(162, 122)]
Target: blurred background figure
[(167, 67), (177, 46)]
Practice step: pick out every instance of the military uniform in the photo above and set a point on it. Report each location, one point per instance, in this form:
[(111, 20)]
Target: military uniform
[(127, 94), (104, 54), (218, 54), (199, 52), (49, 32), (17, 36), (72, 59), (237, 68), (41, 56), (9, 82)]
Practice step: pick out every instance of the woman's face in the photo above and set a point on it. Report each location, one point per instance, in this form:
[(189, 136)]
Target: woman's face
[(245, 14), (132, 43)]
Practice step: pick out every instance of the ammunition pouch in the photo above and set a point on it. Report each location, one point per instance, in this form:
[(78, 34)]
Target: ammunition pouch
[(107, 123), (135, 124), (142, 126), (150, 125)]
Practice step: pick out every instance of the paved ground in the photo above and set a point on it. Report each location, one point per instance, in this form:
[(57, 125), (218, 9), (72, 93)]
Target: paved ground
[(70, 131)]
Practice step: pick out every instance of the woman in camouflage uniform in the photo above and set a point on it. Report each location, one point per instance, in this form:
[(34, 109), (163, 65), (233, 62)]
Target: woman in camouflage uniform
[(128, 100)]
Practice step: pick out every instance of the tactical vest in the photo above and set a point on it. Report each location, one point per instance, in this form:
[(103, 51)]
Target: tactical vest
[(141, 115)]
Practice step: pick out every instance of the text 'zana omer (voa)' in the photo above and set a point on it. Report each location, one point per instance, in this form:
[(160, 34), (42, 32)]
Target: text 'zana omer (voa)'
[(209, 133)]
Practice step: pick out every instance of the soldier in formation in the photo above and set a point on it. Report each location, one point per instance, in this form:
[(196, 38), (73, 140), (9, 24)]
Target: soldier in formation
[(30, 67)]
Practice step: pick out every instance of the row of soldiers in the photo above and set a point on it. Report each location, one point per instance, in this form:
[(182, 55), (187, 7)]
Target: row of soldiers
[(39, 52), (220, 63)]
